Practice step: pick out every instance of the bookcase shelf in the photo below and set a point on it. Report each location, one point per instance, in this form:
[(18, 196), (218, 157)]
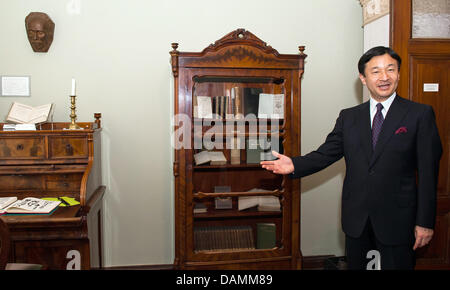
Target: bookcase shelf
[(228, 167), (214, 214), (235, 80), (243, 193)]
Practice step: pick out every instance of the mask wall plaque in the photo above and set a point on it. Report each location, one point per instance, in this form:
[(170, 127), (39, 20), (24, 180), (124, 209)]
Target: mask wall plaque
[(40, 30)]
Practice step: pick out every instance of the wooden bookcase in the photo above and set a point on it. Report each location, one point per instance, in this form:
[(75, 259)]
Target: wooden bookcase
[(234, 66)]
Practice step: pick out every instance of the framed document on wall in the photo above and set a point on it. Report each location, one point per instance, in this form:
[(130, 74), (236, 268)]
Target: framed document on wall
[(15, 86)]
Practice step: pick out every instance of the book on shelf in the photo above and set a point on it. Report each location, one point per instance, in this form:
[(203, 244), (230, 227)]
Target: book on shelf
[(235, 156), (223, 202), (265, 235), (237, 95), (232, 105), (262, 202), (235, 151), (203, 107), (270, 205), (31, 205), (253, 151), (271, 106), (251, 101), (24, 114), (222, 188), (211, 157), (216, 105), (259, 150), (200, 207), (222, 107)]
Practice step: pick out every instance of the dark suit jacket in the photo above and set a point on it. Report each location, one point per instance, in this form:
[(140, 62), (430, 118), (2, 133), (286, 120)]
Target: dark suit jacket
[(395, 184)]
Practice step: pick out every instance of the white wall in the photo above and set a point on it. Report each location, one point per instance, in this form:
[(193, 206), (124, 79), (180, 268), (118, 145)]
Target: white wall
[(376, 33), (119, 53)]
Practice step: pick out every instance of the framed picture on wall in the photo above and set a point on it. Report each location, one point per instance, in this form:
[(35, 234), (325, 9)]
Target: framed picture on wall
[(15, 86)]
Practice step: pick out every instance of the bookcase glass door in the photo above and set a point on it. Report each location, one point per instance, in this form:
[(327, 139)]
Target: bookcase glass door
[(238, 121)]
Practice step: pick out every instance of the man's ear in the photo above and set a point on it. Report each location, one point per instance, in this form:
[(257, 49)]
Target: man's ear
[(363, 79)]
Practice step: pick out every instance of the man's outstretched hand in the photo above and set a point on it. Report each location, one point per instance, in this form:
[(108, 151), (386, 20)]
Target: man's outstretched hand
[(283, 165)]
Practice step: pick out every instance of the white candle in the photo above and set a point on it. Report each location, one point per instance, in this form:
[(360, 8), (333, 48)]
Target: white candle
[(73, 87)]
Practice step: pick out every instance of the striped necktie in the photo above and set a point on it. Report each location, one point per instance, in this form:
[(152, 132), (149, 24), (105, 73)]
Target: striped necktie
[(376, 125)]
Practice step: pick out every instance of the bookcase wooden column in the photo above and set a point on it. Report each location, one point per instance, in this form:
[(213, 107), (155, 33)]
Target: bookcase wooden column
[(231, 238)]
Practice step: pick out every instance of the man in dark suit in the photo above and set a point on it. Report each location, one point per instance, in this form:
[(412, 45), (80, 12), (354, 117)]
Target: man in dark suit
[(392, 149)]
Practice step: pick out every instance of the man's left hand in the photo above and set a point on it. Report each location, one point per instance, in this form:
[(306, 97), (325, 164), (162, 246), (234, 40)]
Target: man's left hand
[(423, 236)]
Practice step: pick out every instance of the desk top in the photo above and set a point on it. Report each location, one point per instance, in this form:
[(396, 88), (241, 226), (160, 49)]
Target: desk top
[(62, 216), (59, 127)]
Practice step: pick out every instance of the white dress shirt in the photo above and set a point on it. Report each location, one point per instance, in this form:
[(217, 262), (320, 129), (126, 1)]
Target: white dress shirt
[(386, 104)]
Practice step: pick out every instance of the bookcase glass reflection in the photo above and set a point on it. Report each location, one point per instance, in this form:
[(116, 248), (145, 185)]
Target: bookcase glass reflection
[(236, 121), (241, 99)]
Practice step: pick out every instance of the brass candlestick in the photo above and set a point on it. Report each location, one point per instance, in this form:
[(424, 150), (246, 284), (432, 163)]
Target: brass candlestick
[(73, 116)]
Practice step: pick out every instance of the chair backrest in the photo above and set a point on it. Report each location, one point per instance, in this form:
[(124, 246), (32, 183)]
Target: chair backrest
[(4, 244)]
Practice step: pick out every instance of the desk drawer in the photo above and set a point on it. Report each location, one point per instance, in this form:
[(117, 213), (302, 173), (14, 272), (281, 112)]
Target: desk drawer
[(64, 185), (64, 182), (68, 147), (22, 148), (28, 182)]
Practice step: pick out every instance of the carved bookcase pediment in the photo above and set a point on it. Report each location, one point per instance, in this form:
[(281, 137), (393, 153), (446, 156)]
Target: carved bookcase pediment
[(239, 48)]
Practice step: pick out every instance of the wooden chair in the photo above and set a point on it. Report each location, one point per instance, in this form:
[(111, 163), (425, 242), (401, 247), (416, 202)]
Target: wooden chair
[(5, 243)]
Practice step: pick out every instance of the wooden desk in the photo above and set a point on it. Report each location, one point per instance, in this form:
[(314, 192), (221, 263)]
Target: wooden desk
[(54, 162)]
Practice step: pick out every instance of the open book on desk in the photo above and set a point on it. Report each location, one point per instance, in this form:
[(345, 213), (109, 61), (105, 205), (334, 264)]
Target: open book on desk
[(6, 201), (24, 114), (31, 205)]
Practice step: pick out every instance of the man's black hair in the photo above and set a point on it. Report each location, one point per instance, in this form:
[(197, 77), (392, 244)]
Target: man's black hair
[(376, 51)]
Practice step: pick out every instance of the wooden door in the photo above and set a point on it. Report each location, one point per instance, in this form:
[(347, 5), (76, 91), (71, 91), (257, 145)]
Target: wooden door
[(424, 78)]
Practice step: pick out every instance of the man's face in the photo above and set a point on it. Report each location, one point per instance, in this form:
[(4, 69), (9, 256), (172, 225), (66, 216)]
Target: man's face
[(381, 77), (38, 35)]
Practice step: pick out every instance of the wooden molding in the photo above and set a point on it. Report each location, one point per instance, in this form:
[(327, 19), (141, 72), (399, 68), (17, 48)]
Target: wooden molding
[(309, 263), (374, 9)]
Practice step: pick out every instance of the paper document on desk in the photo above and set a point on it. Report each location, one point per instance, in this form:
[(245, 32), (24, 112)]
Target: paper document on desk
[(65, 200), (31, 205)]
